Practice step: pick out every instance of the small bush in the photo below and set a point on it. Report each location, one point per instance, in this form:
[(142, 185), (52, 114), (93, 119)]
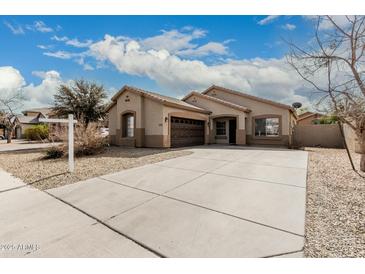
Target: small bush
[(54, 152), (37, 132), (88, 139)]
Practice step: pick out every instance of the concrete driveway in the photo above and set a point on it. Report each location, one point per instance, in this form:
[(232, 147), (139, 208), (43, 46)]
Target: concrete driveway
[(217, 202)]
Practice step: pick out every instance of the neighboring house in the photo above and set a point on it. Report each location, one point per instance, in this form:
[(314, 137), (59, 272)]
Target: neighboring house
[(30, 118), (309, 118), (218, 115)]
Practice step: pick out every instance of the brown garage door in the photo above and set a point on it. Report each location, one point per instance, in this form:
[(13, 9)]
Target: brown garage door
[(186, 132)]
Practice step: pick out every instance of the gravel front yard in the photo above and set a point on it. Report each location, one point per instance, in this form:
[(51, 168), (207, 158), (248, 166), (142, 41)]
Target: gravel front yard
[(335, 219), (45, 174)]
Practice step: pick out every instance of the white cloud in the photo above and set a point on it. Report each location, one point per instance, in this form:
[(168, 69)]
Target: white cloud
[(173, 40), (14, 29), (12, 81), (72, 42), (42, 94), (60, 54), (326, 24), (268, 19), (78, 44), (88, 67), (289, 27), (340, 20), (270, 78), (44, 46), (207, 49), (59, 39), (180, 42), (39, 26), (85, 66)]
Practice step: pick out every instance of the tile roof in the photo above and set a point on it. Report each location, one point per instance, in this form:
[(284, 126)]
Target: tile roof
[(45, 110), (162, 98), (28, 119), (217, 100), (249, 96)]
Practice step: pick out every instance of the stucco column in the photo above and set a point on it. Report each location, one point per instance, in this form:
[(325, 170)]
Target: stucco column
[(211, 131), (241, 130)]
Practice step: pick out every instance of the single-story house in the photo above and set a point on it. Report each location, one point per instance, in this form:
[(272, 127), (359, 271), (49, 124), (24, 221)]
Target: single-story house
[(141, 118), (309, 118), (30, 118)]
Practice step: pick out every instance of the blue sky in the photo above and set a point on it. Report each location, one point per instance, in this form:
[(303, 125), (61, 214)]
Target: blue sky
[(167, 54)]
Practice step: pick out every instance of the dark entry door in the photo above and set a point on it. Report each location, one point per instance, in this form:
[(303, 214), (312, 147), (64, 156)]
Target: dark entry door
[(186, 132), (232, 131)]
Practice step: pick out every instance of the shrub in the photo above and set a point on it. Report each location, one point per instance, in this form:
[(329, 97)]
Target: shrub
[(37, 132), (88, 139), (326, 120), (54, 152)]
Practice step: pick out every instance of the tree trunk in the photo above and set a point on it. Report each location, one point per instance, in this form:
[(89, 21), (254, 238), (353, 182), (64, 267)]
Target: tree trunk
[(10, 135), (362, 163), (8, 140), (361, 150)]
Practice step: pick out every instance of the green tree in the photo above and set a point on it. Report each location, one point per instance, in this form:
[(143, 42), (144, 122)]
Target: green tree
[(83, 99)]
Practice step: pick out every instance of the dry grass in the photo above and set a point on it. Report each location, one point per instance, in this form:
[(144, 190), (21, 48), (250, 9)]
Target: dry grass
[(335, 219), (45, 174)]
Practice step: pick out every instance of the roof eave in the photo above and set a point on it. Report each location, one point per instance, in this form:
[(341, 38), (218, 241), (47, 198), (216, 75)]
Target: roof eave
[(262, 100), (244, 109), (166, 103)]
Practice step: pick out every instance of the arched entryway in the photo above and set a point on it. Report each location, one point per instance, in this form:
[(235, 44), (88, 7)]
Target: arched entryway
[(226, 129)]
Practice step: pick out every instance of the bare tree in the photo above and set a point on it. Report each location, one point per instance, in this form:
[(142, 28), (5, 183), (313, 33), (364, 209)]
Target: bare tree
[(9, 104), (333, 64)]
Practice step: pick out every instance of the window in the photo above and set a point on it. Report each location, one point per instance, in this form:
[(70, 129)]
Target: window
[(267, 127), (128, 125), (220, 128)]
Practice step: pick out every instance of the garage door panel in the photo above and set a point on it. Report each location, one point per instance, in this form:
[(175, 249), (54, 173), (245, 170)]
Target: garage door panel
[(186, 132)]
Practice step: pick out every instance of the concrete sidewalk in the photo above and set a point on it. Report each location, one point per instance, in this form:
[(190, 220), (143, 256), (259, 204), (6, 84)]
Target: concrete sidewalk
[(35, 224)]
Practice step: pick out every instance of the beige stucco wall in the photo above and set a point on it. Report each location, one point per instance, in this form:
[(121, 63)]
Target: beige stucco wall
[(308, 120), (318, 135), (113, 120), (148, 118), (129, 101), (220, 111), (152, 120), (256, 107), (153, 117), (351, 138), (217, 109)]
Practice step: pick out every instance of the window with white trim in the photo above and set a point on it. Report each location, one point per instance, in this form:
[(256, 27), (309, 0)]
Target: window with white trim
[(267, 127), (220, 128)]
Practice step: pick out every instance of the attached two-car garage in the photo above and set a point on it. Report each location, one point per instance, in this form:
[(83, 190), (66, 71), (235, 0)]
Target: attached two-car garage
[(186, 132)]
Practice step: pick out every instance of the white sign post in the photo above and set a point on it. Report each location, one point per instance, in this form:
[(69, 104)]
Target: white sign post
[(71, 162), (71, 122)]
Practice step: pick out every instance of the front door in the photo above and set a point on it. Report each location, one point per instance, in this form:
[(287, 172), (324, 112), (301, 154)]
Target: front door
[(232, 131)]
